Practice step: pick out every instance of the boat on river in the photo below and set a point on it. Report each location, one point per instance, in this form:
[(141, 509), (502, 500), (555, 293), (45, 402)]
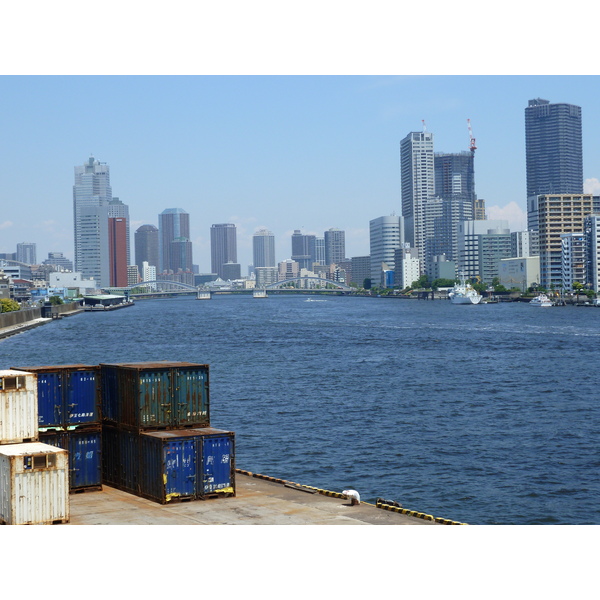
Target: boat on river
[(541, 300), (464, 293)]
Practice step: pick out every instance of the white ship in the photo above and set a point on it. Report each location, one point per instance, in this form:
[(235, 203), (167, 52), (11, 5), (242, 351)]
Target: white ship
[(464, 293), (541, 300)]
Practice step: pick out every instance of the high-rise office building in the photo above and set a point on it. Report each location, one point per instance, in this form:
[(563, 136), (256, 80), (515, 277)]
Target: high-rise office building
[(146, 246), (223, 248), (552, 215), (553, 148), (263, 249), (386, 235), (361, 270), (592, 242), (173, 224), (418, 186), (335, 246), (303, 249), (91, 196), (26, 253), (58, 260), (117, 251)]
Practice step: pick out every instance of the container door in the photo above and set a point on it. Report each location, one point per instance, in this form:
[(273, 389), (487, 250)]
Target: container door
[(155, 404), (217, 464), (85, 466), (180, 469), (81, 397), (50, 399), (190, 396)]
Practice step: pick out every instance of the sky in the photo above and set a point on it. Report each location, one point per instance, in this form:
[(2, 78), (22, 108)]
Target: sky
[(283, 152)]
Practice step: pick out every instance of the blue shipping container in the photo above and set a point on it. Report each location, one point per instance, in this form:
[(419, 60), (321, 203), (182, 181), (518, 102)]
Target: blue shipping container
[(85, 455), (67, 395)]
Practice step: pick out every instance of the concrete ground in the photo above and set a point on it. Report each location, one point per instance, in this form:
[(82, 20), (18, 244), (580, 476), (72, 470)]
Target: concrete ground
[(258, 502)]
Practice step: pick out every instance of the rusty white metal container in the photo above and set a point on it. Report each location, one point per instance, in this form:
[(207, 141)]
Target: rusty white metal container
[(34, 484), (18, 407)]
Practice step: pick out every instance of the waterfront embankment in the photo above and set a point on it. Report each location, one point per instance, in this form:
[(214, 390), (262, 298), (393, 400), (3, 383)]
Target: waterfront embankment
[(17, 321)]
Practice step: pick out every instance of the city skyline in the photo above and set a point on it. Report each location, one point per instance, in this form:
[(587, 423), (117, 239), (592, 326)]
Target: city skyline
[(286, 181)]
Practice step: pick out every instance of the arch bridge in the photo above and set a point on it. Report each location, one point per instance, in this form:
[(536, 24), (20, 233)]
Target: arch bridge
[(314, 284)]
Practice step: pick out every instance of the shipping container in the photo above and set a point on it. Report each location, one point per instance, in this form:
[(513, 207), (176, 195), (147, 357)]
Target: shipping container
[(34, 484), (173, 465), (18, 407), (67, 395), (155, 395), (84, 444)]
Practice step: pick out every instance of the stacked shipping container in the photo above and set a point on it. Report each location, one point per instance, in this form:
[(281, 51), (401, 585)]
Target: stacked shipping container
[(34, 486), (69, 417), (157, 438)]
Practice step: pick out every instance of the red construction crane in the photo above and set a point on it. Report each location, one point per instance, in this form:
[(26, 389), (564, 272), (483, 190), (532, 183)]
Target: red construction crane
[(472, 145)]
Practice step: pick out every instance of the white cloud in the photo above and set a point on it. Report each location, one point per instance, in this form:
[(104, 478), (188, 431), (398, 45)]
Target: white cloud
[(591, 186), (6, 224), (511, 212)]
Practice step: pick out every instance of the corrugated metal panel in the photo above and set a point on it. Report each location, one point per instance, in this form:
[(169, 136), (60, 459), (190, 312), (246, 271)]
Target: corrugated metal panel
[(34, 486), (67, 394), (218, 465), (85, 454), (18, 407), (120, 458), (147, 396)]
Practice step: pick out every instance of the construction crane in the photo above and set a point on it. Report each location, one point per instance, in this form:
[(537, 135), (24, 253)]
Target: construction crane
[(472, 145)]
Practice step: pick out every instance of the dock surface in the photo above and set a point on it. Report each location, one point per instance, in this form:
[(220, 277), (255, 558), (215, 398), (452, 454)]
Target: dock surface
[(257, 502)]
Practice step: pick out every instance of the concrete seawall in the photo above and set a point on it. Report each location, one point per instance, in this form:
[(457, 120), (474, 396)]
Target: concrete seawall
[(17, 321)]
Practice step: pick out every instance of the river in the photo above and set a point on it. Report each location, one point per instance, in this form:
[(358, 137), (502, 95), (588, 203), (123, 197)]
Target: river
[(480, 414)]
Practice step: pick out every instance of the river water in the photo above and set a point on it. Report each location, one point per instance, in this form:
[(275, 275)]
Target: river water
[(480, 414)]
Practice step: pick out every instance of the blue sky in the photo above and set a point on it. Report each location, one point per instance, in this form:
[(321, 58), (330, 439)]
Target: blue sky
[(282, 152), (267, 116)]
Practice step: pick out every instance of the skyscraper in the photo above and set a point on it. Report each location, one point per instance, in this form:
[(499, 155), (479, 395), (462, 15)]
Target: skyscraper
[(146, 246), (173, 224), (91, 196), (263, 249), (553, 148), (418, 186), (335, 246), (26, 253), (303, 249), (223, 248), (386, 235), (118, 242)]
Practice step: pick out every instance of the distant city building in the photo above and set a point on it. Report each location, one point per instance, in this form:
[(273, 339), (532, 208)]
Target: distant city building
[(479, 210), (133, 275), (417, 185), (288, 269), (231, 271), (335, 246), (173, 224), (361, 270), (520, 273), (592, 239), (385, 236), (8, 256), (119, 210), (304, 249), (263, 249), (265, 276), (149, 274), (525, 243), (117, 251), (553, 148), (439, 267), (91, 196), (146, 246), (26, 253), (574, 263), (319, 250), (223, 247), (59, 261), (72, 279), (481, 244), (553, 215), (407, 268)]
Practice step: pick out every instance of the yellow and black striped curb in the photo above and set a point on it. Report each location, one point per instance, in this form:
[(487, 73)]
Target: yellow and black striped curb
[(404, 511), (419, 515)]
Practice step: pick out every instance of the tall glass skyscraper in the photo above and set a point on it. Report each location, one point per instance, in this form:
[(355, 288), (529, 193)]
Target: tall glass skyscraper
[(263, 249), (91, 197), (335, 246), (173, 228), (146, 247), (223, 250), (553, 148)]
